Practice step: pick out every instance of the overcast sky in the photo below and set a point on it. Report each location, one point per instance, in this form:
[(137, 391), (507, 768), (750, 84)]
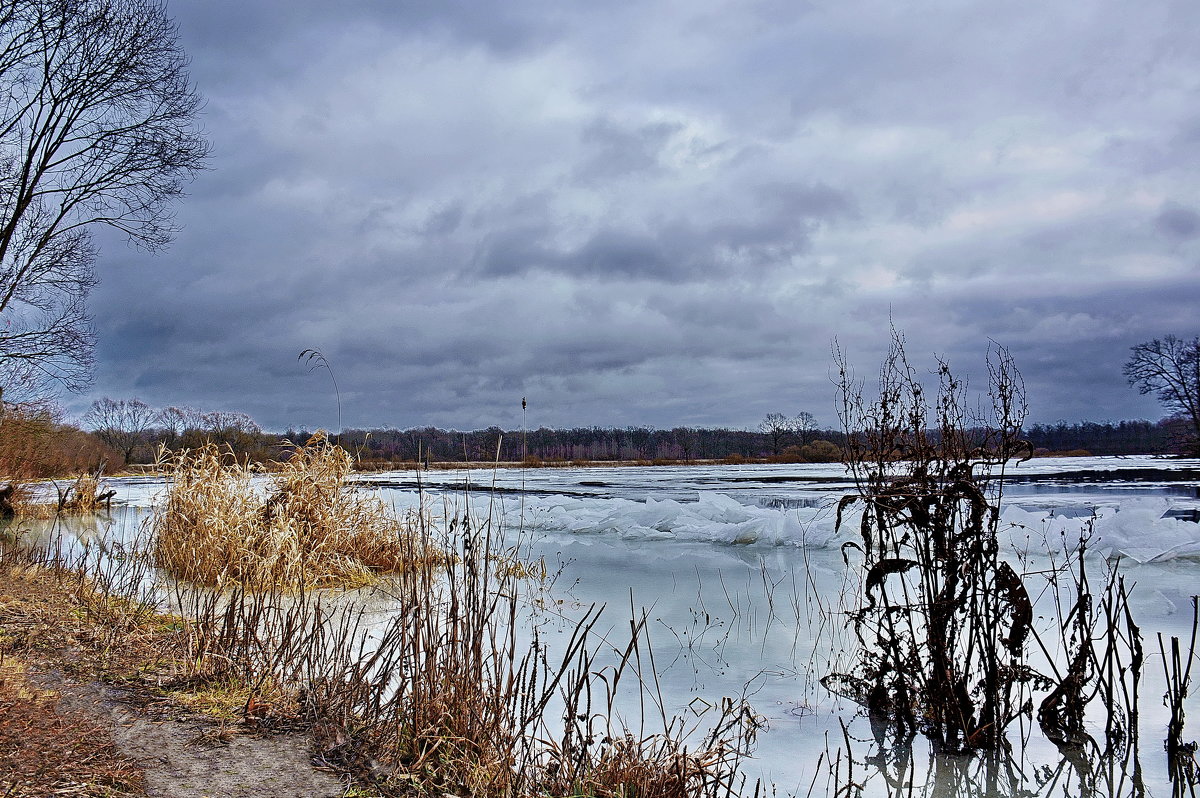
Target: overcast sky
[(663, 212)]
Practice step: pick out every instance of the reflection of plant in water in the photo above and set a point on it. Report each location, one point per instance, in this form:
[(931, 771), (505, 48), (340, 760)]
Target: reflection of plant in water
[(1101, 663), (859, 767), (1181, 756)]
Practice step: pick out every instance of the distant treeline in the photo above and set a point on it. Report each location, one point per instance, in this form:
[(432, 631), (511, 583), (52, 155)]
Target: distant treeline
[(38, 442), (580, 444), (1125, 437), (685, 444)]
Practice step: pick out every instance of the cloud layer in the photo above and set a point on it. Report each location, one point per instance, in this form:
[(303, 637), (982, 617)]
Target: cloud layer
[(664, 212)]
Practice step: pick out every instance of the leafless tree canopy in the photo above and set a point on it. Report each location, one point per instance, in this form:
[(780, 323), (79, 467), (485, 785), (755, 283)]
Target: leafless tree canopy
[(1170, 369), (805, 424), (97, 127), (121, 424), (779, 428)]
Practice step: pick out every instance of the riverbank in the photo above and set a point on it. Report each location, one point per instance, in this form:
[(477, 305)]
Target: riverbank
[(427, 684), (91, 705)]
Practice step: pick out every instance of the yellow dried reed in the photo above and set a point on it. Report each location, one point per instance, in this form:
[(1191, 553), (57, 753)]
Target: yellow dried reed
[(225, 522), (81, 497)]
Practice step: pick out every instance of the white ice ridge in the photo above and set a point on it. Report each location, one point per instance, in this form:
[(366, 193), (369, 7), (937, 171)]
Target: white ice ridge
[(715, 517), (1134, 528)]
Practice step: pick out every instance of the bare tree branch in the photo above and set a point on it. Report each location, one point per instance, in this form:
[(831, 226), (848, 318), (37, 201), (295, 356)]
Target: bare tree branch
[(1170, 369), (97, 128)]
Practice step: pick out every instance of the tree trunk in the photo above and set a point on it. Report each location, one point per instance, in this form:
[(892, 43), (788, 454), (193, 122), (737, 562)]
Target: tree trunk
[(6, 497)]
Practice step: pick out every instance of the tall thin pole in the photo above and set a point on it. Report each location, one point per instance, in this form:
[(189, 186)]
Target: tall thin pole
[(524, 457)]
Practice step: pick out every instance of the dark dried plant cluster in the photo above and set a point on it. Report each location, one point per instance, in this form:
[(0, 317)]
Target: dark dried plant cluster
[(944, 624)]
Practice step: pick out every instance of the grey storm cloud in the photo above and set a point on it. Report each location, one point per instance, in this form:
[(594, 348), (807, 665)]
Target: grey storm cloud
[(662, 213), (1178, 222)]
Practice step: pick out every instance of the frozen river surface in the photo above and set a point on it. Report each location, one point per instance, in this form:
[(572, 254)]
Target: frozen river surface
[(740, 573)]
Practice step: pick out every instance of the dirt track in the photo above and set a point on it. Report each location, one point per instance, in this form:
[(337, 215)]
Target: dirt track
[(194, 757)]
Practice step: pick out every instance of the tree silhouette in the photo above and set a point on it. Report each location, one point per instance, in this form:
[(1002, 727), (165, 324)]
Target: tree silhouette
[(97, 129), (1170, 368)]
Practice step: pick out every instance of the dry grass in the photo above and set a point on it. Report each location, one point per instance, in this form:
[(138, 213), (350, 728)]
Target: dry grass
[(443, 695), (626, 766), (46, 750), (310, 529), (56, 620), (85, 495)]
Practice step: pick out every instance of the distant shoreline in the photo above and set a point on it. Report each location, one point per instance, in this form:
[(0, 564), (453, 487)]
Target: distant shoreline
[(377, 467)]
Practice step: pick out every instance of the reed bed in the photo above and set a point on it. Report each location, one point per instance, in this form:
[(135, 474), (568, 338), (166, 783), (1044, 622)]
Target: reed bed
[(84, 495), (444, 695), (305, 527)]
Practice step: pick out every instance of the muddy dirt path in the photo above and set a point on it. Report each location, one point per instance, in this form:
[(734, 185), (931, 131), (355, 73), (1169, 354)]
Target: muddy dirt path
[(195, 757)]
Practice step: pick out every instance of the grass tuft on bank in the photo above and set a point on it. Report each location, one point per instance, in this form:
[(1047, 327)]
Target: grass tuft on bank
[(306, 527)]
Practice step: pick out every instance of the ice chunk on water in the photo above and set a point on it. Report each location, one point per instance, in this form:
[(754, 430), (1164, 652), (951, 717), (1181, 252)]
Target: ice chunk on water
[(1137, 529), (713, 517), (1134, 528)]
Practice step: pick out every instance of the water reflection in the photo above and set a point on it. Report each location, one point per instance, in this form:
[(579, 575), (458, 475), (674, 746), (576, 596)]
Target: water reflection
[(38, 533), (858, 768), (109, 548)]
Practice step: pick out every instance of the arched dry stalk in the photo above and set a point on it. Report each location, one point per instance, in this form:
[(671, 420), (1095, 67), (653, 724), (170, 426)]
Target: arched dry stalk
[(315, 359)]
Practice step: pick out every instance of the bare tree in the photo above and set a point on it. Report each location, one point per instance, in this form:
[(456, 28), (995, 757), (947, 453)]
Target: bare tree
[(225, 423), (804, 424), (777, 426), (97, 128), (121, 424), (175, 420), (1170, 369)]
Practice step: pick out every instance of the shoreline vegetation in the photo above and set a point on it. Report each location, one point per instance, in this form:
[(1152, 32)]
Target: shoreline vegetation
[(442, 696), (128, 436), (242, 613)]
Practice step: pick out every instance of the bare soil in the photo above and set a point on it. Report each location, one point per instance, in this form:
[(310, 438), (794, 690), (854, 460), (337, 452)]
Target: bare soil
[(191, 756), (76, 720)]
